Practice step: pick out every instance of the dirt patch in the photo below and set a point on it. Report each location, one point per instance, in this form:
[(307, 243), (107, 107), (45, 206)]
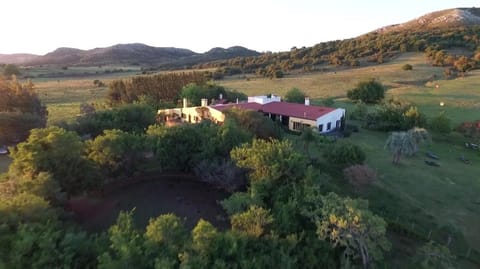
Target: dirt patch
[(153, 196)]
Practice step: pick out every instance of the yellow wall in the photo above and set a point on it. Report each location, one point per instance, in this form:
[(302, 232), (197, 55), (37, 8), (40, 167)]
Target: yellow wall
[(303, 121), (194, 113)]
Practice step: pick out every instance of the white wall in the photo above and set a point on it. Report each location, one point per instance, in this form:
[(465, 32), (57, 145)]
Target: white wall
[(331, 117), (263, 99)]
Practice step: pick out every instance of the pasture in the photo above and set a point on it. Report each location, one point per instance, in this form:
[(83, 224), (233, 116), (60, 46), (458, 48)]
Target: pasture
[(461, 96)]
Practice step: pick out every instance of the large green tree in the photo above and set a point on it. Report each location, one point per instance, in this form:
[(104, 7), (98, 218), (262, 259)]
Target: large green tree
[(58, 152), (116, 151), (20, 110), (348, 224)]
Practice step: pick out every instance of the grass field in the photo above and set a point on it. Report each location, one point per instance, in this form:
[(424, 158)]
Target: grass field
[(461, 96), (448, 192)]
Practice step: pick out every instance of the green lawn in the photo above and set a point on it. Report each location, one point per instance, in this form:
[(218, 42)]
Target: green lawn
[(449, 192)]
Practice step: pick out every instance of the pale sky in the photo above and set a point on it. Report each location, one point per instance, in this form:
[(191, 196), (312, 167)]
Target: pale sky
[(40, 26)]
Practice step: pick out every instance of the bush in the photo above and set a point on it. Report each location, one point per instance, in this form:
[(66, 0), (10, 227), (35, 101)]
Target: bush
[(328, 101), (395, 115), (359, 176), (440, 124), (407, 67), (344, 154), (295, 95), (359, 112), (368, 91)]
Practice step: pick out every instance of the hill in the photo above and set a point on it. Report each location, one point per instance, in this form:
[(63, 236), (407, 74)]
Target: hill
[(440, 19), (452, 28), (18, 58), (133, 54)]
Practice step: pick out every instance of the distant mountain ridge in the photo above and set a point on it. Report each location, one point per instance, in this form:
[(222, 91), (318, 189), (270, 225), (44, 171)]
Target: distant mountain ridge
[(136, 53), (17, 58)]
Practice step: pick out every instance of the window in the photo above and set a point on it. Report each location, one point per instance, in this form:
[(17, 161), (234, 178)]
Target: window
[(320, 128), (337, 124), (329, 126), (297, 126), (184, 116)]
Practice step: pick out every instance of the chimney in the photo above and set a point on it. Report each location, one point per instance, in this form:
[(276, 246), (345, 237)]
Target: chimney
[(220, 97), (204, 101), (237, 100), (185, 103), (307, 101)]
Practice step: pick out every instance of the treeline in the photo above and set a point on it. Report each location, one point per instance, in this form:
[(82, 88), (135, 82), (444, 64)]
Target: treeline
[(20, 110), (160, 88), (373, 47)]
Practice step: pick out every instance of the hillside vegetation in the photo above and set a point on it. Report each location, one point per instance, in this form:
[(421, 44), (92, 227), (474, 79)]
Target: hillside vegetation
[(436, 31)]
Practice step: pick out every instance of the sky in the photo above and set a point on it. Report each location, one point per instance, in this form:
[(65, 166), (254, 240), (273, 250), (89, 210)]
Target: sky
[(38, 27)]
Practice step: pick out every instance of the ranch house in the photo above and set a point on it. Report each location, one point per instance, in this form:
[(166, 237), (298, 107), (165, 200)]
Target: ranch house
[(294, 116)]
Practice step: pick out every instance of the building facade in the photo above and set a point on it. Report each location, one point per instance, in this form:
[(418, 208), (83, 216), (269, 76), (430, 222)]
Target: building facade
[(294, 116)]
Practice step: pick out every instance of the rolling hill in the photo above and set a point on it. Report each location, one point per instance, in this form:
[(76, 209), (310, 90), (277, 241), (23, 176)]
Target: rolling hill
[(440, 19), (18, 58), (440, 30), (136, 54)]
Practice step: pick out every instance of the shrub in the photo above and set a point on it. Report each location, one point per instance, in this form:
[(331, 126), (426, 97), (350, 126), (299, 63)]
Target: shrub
[(328, 101), (407, 67), (359, 112), (359, 176), (368, 91), (395, 115), (295, 95), (344, 154), (440, 124)]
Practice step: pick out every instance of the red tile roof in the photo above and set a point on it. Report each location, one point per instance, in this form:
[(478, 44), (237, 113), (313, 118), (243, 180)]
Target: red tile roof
[(282, 108), (296, 110)]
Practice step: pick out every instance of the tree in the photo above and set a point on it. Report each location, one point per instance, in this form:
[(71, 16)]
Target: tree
[(133, 118), (58, 152), (254, 221), (395, 115), (343, 154), (368, 91), (165, 237), (269, 160), (295, 95), (20, 110), (116, 151), (254, 122), (49, 245), (348, 223), (433, 255), (11, 70), (405, 143), (126, 248)]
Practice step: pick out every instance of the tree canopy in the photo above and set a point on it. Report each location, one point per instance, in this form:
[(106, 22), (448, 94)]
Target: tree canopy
[(295, 95), (20, 110), (368, 91)]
